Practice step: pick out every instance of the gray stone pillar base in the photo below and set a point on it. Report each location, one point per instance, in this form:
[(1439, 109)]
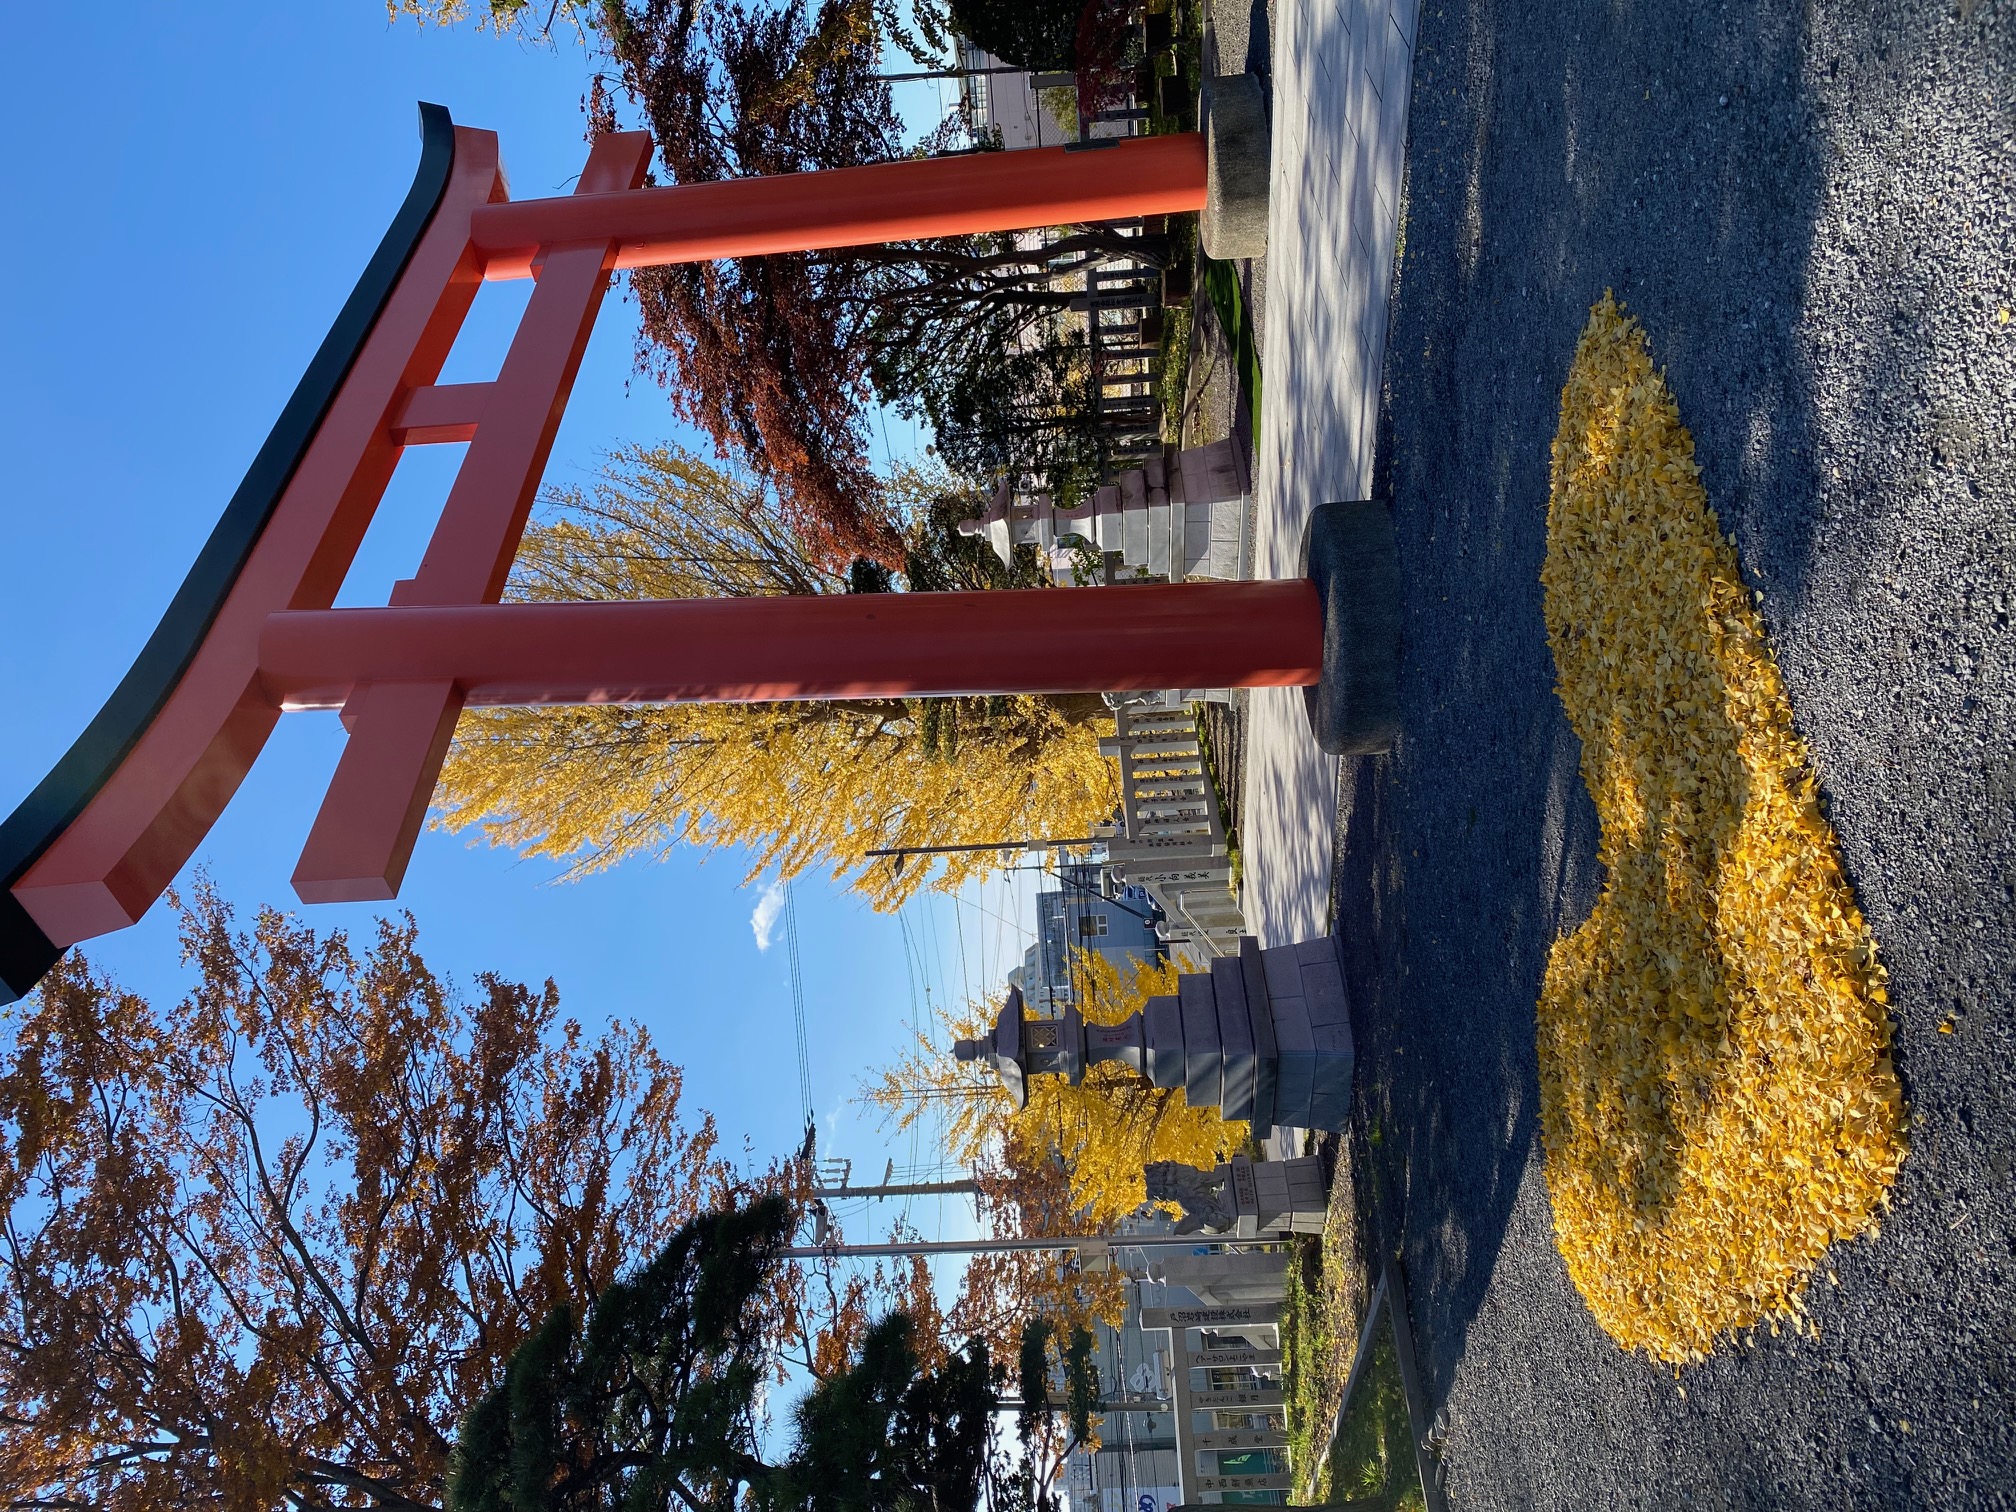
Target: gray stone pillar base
[(1348, 551), (1239, 151)]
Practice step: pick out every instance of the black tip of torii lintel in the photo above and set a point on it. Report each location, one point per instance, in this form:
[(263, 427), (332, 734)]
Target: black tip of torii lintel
[(26, 953)]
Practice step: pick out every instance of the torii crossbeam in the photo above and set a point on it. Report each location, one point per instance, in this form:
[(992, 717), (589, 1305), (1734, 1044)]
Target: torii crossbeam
[(251, 633)]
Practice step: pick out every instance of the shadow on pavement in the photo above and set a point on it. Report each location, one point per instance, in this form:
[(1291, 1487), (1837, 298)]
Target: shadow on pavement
[(1756, 184), (1667, 153)]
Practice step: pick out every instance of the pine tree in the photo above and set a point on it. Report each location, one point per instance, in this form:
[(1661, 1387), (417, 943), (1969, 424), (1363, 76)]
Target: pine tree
[(890, 1434), (654, 1402), (1081, 1383), (1032, 34)]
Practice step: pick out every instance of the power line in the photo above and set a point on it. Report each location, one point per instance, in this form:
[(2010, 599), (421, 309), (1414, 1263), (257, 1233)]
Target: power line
[(911, 967), (965, 1188), (1086, 1246), (959, 900), (798, 1001), (965, 967), (950, 73), (1091, 891)]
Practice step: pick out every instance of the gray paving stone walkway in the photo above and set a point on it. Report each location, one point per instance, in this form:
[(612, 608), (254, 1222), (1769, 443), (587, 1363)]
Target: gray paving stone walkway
[(1342, 78)]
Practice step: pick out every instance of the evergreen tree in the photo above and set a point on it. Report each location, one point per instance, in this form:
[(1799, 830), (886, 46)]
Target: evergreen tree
[(653, 1404), (887, 1435), (1081, 1383), (1033, 34), (1033, 1375)]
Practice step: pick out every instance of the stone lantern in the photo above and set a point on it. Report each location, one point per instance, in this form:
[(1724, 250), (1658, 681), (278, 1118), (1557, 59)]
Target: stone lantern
[(1264, 1035)]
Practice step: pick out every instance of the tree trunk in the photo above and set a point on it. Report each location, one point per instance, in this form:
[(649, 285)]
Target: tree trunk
[(1079, 708)]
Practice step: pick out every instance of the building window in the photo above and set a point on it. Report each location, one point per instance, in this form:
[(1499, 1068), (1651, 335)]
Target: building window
[(1090, 925)]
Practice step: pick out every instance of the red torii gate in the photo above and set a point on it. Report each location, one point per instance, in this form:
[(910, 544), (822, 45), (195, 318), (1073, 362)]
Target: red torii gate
[(250, 634)]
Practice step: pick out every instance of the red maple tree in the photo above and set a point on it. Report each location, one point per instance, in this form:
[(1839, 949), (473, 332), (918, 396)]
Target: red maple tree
[(778, 358)]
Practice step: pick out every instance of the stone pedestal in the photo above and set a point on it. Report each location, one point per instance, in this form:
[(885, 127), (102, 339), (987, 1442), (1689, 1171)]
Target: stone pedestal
[(1241, 1199), (1264, 1035)]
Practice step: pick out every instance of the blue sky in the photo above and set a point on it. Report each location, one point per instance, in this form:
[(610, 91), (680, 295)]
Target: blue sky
[(189, 202)]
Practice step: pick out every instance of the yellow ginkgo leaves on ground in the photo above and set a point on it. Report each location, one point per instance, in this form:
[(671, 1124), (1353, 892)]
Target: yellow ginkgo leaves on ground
[(1717, 1098)]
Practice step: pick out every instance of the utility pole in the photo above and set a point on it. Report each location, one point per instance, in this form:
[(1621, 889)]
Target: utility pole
[(988, 845), (1096, 1248), (843, 1189), (948, 73), (942, 1247), (838, 1174), (965, 1188), (1057, 1402)]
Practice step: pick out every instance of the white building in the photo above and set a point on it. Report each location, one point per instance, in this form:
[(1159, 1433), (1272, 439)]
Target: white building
[(1137, 1466), (1005, 101), (1012, 105), (1083, 912)]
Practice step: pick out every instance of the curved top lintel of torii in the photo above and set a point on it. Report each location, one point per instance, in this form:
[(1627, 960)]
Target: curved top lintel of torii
[(26, 951)]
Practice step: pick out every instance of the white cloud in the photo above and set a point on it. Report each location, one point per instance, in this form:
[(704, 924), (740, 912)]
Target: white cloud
[(769, 908)]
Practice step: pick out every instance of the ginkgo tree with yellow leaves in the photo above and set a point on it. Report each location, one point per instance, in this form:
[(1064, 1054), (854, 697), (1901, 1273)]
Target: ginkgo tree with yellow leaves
[(798, 784), (1071, 1160), (1102, 1132)]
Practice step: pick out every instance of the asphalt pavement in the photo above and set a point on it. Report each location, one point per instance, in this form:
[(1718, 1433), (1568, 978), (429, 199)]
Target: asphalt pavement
[(1812, 209)]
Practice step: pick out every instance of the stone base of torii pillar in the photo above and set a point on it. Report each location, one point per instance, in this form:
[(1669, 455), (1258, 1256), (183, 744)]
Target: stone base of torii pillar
[(1264, 1035)]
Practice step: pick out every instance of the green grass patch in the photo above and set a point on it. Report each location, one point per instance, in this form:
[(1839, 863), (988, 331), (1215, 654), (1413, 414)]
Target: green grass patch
[(1172, 369), (1371, 1464), (1221, 283), (1305, 1355)]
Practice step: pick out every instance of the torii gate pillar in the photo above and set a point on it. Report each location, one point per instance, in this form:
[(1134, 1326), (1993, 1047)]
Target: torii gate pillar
[(251, 633)]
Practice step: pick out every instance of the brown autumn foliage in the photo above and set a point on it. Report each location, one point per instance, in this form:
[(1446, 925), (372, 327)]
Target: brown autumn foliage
[(777, 358), (262, 1247), (848, 1303), (1026, 1192), (766, 354)]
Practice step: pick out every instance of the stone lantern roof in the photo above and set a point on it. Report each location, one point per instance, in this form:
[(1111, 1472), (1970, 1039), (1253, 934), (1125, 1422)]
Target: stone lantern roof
[(1003, 1049), (1264, 1035), (1021, 1048)]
